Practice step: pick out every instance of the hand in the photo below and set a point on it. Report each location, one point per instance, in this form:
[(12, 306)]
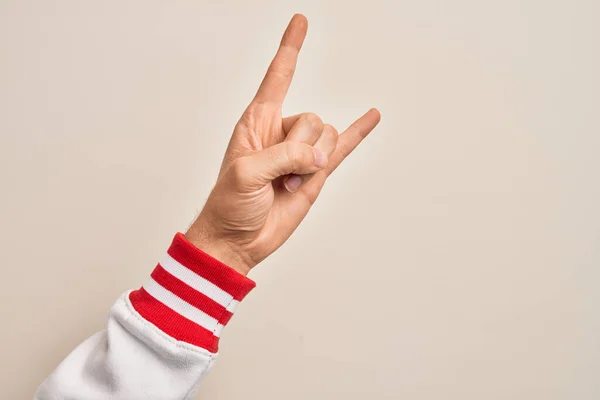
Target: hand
[(273, 169)]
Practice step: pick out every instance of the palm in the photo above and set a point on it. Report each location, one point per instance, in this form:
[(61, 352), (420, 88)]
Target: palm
[(261, 127)]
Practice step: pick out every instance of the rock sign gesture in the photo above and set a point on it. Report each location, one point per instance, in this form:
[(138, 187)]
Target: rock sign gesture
[(273, 169)]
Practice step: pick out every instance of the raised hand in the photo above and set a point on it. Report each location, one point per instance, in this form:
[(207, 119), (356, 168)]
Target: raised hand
[(273, 169)]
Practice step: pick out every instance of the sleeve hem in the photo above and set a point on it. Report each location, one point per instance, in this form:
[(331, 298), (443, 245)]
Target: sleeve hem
[(190, 295)]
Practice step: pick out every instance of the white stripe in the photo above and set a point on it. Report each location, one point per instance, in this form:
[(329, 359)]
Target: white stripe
[(182, 307), (218, 330), (197, 282), (232, 306)]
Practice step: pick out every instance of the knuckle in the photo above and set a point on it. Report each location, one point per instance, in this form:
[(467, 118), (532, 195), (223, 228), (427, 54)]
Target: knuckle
[(307, 157), (330, 129), (250, 114), (238, 171), (314, 121), (291, 153), (299, 154), (282, 70), (345, 149), (330, 133)]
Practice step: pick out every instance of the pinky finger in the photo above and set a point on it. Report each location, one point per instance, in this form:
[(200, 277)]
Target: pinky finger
[(346, 143), (352, 137)]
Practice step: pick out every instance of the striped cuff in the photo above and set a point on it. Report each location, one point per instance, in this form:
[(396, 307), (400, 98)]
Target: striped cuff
[(190, 295)]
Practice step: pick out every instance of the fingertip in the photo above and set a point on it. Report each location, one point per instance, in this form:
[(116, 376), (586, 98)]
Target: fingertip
[(376, 113), (292, 183), (296, 32), (301, 20), (320, 158)]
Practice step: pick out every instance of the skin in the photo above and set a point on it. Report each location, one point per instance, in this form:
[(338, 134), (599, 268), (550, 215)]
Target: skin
[(274, 168)]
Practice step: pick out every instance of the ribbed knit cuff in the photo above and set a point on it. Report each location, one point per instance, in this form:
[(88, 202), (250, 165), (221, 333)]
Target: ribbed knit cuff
[(190, 295)]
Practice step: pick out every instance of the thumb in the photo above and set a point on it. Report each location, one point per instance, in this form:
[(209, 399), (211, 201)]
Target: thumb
[(282, 159)]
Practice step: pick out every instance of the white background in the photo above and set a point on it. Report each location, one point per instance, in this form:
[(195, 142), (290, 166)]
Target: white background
[(455, 255)]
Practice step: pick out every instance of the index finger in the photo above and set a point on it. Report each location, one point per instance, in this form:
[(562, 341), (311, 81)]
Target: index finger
[(279, 75)]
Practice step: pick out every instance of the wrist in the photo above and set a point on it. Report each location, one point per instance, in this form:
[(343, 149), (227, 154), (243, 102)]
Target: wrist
[(224, 251)]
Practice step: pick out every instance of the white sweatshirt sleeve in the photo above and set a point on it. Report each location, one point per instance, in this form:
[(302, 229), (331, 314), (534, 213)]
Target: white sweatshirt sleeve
[(160, 339)]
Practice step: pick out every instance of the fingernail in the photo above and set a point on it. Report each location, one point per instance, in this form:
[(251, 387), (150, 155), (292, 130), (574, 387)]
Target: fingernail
[(320, 158), (292, 183)]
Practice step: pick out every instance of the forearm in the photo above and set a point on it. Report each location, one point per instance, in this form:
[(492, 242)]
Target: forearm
[(160, 339)]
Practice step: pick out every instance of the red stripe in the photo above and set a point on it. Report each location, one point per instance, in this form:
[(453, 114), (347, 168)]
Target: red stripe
[(172, 323), (190, 295), (225, 318), (210, 268)]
